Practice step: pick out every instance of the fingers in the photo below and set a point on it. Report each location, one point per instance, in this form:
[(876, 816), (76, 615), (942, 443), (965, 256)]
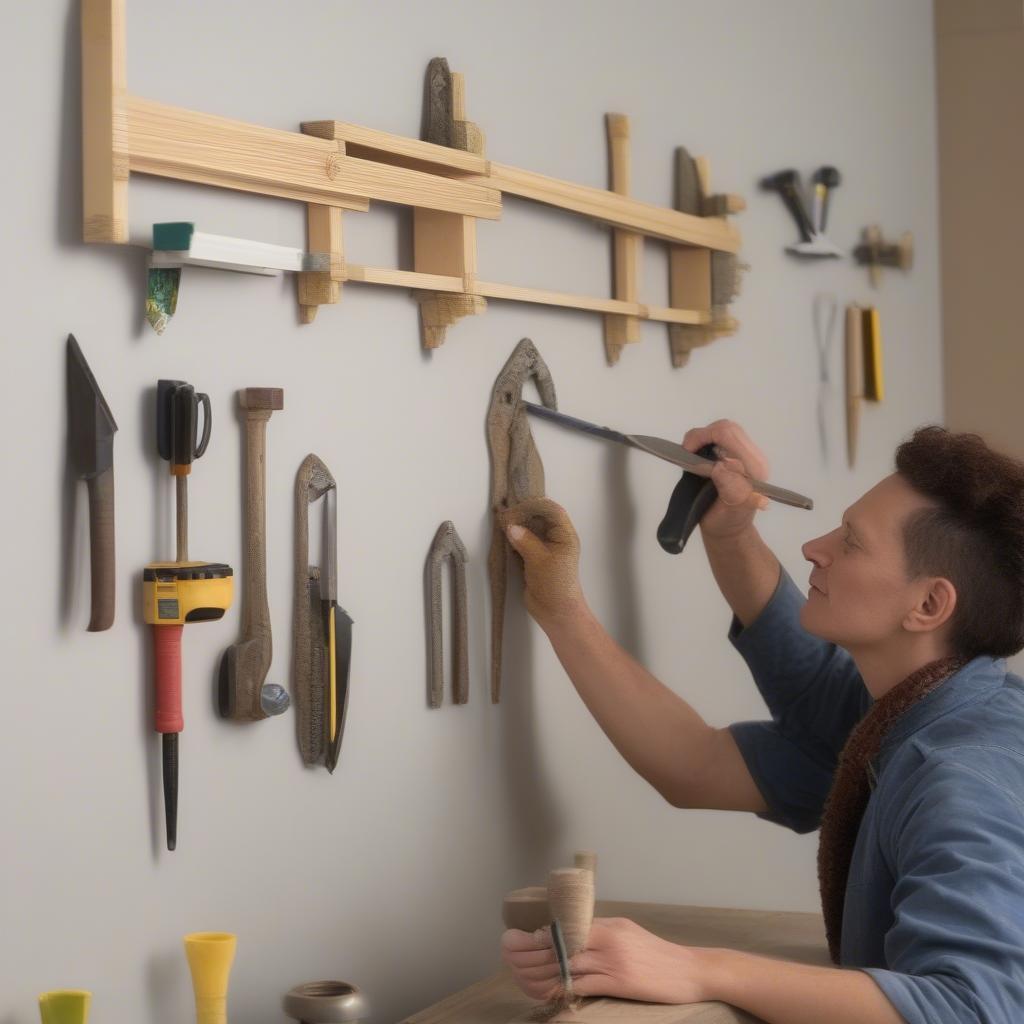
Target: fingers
[(516, 941), (543, 517), (736, 442)]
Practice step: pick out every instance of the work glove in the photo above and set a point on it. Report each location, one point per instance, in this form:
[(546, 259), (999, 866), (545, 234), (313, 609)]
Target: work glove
[(541, 532), (739, 459)]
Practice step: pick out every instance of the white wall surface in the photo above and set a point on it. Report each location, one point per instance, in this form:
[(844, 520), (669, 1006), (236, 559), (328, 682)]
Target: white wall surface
[(390, 873)]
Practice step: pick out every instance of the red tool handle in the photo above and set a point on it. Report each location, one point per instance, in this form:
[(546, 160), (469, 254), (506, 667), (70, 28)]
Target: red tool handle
[(167, 674)]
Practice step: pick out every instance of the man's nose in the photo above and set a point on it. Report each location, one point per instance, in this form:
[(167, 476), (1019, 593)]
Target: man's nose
[(817, 551)]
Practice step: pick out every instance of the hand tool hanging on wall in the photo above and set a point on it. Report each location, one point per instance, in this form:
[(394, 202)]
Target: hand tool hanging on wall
[(181, 591), (447, 546), (813, 242), (243, 694), (210, 956), (864, 375), (326, 1002), (693, 495), (65, 1006), (91, 429), (516, 473), (322, 629), (874, 252)]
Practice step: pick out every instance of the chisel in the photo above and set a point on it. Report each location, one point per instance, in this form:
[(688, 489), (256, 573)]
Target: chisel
[(91, 429)]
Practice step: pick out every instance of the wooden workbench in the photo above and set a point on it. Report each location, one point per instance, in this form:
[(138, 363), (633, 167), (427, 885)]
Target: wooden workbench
[(790, 936)]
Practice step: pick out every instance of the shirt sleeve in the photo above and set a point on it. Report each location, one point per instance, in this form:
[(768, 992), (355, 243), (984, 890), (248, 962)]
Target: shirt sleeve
[(815, 696), (955, 950)]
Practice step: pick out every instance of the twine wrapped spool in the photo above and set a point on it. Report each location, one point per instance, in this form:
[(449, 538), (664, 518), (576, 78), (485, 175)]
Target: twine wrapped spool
[(571, 900)]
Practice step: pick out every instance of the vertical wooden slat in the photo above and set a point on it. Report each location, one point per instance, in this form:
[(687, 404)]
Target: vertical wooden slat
[(104, 122), (627, 245)]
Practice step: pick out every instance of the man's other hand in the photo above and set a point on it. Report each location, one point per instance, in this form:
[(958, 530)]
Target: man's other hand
[(543, 535), (621, 960), (740, 459)]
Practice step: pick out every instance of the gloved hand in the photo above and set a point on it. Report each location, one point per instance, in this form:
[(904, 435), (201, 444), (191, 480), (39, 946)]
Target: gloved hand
[(542, 533), (740, 459)]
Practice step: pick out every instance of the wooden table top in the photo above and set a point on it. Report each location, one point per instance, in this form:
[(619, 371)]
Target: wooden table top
[(783, 934)]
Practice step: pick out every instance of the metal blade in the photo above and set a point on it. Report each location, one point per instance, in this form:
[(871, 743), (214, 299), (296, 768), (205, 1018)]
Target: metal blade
[(605, 433), (91, 424), (329, 569), (679, 456), (561, 954), (671, 452)]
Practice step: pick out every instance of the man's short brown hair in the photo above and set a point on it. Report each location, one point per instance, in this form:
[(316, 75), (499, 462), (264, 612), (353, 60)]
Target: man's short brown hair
[(973, 536)]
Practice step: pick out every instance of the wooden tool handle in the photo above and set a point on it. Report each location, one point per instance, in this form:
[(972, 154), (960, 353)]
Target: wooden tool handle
[(258, 404), (854, 379), (255, 609), (101, 547), (167, 678)]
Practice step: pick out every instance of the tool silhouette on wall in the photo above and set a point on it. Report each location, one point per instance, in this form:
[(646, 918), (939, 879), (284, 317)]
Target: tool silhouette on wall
[(810, 223)]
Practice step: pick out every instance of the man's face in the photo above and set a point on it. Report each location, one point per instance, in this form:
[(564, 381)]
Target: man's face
[(859, 591)]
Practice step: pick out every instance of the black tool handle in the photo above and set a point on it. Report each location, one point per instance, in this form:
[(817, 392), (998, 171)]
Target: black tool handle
[(101, 549), (692, 497)]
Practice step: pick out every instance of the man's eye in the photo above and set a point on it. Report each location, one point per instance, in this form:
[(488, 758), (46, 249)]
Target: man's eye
[(848, 543)]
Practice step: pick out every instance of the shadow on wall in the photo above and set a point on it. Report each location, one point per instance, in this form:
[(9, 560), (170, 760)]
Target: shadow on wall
[(535, 819), (618, 550)]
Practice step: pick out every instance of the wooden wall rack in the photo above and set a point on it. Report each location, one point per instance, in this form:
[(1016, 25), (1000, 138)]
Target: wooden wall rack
[(333, 166)]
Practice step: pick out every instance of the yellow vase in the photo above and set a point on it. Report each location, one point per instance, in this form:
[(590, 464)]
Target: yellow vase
[(210, 955), (65, 1006)]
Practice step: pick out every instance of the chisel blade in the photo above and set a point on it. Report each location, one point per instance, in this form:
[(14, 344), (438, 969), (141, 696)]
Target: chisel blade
[(91, 424)]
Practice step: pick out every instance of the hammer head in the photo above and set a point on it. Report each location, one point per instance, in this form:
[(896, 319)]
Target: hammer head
[(261, 398), (787, 179), (827, 176)]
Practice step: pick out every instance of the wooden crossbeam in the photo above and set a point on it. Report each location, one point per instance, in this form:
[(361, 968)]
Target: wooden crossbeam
[(448, 182), (185, 144)]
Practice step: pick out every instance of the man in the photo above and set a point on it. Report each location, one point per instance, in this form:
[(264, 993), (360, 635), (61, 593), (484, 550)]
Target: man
[(895, 726)]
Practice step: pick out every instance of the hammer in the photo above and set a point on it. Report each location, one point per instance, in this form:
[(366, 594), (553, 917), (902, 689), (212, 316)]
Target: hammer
[(786, 183), (825, 179), (242, 693)]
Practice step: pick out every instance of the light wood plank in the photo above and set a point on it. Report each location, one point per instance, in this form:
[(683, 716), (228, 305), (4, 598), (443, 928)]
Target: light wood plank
[(104, 134), (372, 143), (616, 211), (193, 146), (627, 246), (402, 278)]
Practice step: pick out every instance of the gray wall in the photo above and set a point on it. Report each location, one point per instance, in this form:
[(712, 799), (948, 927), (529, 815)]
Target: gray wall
[(390, 873)]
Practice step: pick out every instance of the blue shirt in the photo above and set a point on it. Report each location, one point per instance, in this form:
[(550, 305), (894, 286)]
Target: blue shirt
[(934, 907)]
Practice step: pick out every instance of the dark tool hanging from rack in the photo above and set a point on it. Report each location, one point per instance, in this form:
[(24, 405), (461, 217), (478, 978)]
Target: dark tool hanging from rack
[(813, 242), (181, 591), (91, 429)]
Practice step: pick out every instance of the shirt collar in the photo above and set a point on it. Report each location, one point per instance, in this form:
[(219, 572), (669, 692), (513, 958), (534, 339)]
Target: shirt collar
[(978, 678)]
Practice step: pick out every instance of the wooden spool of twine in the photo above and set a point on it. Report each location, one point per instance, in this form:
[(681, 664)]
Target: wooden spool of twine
[(571, 901)]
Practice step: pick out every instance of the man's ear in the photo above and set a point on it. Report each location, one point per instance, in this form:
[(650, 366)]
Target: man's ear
[(935, 606)]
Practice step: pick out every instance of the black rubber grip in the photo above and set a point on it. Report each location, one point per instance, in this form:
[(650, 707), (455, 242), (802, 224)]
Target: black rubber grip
[(692, 497)]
